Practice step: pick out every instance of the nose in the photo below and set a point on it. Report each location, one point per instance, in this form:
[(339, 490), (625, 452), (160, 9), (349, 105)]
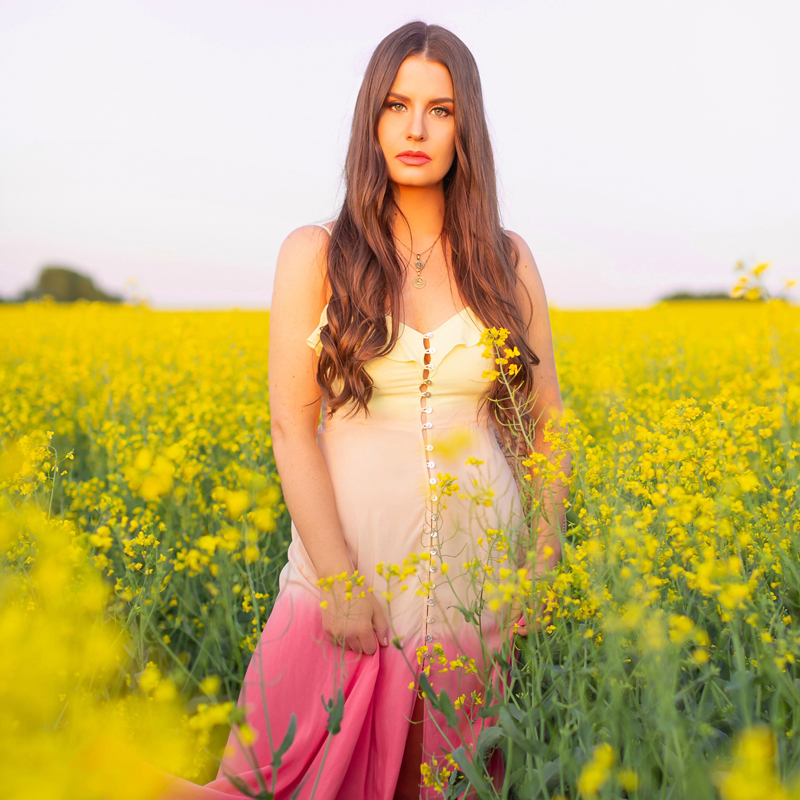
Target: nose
[(416, 130)]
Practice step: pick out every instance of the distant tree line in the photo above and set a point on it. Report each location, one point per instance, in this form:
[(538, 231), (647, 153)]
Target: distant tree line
[(686, 295), (64, 285)]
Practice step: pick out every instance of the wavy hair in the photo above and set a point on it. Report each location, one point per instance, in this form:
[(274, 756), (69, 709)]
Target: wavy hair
[(364, 270)]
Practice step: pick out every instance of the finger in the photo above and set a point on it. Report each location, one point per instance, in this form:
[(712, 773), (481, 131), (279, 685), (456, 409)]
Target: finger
[(330, 633), (380, 626), (369, 644), (353, 644)]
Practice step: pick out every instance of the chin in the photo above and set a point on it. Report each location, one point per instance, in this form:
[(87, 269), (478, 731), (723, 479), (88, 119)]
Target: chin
[(418, 180)]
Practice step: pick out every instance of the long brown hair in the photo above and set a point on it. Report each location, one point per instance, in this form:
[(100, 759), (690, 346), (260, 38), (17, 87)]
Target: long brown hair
[(365, 272)]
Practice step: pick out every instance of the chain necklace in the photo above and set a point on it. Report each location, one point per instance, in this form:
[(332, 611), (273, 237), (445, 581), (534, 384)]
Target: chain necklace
[(419, 264)]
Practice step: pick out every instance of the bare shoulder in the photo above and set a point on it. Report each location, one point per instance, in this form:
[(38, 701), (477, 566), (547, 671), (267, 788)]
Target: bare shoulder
[(299, 292), (301, 266), (308, 244), (528, 272), (540, 336)]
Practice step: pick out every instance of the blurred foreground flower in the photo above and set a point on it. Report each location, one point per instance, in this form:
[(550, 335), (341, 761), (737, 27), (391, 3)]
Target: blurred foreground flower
[(68, 726), (753, 774)]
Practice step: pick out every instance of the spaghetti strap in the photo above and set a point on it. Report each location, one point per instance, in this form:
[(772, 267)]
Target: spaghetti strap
[(323, 226)]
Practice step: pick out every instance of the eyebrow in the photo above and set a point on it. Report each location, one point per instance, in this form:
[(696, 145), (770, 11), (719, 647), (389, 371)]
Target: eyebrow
[(408, 99)]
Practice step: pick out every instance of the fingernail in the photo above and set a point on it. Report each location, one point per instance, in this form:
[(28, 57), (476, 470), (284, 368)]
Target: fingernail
[(386, 641)]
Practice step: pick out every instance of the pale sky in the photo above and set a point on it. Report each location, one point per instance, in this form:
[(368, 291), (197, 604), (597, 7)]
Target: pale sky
[(641, 147)]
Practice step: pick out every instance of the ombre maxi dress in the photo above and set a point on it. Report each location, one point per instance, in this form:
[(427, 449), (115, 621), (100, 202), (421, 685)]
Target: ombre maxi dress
[(389, 472)]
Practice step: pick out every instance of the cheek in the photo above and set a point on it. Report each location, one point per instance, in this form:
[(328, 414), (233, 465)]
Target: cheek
[(386, 132), (450, 147), (446, 139), (452, 139)]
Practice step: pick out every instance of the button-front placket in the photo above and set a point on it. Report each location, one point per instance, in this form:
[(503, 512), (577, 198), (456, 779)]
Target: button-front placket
[(432, 525)]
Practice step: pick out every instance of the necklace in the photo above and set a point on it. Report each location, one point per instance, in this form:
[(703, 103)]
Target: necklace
[(419, 264)]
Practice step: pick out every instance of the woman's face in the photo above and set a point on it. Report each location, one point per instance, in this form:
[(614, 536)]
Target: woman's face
[(417, 116)]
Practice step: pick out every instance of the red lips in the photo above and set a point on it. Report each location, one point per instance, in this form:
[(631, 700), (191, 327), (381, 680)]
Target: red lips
[(414, 158)]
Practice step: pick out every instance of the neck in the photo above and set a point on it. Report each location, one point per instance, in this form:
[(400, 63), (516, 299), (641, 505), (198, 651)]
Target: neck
[(423, 208)]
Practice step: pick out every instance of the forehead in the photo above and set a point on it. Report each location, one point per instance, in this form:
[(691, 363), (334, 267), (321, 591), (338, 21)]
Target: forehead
[(419, 79)]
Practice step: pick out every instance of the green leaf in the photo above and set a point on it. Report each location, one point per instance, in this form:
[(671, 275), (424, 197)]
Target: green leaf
[(468, 615), (545, 776), (426, 687), (335, 713), (515, 734), (469, 769), (440, 702), (489, 739), (287, 740), (740, 679), (241, 786)]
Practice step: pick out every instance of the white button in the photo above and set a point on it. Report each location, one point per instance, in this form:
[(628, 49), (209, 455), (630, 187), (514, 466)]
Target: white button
[(428, 335), (430, 465), (427, 410), (430, 351), (432, 481), (429, 620), (429, 638), (431, 367), (434, 534), (433, 551), (429, 447), (434, 497), (434, 516), (431, 601), (427, 425), (426, 394), (428, 381), (432, 567)]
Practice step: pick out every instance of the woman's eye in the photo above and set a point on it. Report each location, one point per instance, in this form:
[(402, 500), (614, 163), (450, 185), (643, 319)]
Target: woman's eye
[(397, 105)]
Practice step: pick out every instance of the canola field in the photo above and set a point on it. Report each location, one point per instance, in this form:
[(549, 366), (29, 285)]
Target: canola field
[(142, 531)]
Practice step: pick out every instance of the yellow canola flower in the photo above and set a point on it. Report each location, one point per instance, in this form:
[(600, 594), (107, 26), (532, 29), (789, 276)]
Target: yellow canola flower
[(210, 685), (753, 775), (150, 475), (596, 771)]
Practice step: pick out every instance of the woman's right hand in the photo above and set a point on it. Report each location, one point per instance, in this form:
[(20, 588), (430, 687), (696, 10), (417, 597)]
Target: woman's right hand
[(355, 622)]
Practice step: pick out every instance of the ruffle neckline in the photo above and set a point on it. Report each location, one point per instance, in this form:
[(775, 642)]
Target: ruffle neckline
[(463, 328)]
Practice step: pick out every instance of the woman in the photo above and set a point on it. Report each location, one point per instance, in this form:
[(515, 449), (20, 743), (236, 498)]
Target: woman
[(376, 325)]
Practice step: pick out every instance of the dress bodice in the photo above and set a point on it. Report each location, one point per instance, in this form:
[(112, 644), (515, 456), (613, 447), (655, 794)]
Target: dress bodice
[(455, 372)]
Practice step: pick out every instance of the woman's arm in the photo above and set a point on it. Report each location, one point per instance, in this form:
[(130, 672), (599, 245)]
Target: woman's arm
[(297, 301), (547, 403), (295, 401)]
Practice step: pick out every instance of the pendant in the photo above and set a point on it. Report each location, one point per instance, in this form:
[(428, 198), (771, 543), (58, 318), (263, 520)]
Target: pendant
[(419, 282), (418, 264)]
